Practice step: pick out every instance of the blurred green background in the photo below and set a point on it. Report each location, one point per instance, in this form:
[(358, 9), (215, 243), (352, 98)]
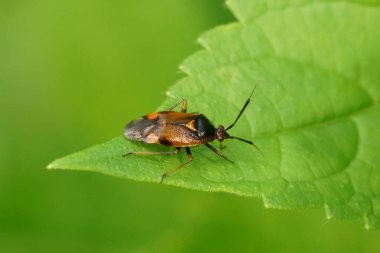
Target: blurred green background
[(72, 73)]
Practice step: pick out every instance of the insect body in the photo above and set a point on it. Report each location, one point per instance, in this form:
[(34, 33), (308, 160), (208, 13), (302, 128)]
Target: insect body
[(179, 130)]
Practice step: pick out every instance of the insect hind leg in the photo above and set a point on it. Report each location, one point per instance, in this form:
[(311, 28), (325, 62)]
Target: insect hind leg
[(175, 152), (189, 155)]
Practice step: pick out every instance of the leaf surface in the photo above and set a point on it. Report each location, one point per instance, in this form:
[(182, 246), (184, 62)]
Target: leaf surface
[(315, 114)]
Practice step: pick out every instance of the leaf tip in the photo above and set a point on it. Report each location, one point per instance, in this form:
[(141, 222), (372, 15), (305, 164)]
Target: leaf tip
[(53, 165), (328, 213), (50, 166), (203, 43), (265, 203), (184, 69), (367, 223)]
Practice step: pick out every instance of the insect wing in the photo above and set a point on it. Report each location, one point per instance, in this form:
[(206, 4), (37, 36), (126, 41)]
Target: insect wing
[(175, 118), (176, 136), (138, 129)]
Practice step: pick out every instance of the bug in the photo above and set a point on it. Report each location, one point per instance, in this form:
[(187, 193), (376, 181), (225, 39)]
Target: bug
[(180, 130)]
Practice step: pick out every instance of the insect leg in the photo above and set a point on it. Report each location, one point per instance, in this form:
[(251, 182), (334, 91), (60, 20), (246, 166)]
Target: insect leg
[(175, 152), (184, 105), (217, 152), (189, 155), (221, 145)]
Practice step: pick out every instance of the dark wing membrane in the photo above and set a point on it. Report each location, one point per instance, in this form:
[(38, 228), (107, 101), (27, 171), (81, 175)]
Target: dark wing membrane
[(138, 129), (175, 118)]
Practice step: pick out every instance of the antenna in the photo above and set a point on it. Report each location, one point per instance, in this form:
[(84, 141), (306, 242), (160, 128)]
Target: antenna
[(245, 105), (246, 141)]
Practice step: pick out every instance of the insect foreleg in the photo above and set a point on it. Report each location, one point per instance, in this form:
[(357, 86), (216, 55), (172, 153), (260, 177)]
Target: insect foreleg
[(221, 145), (217, 152)]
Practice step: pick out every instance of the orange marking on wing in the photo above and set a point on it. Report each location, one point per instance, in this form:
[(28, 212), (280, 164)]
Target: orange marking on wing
[(152, 116), (191, 125)]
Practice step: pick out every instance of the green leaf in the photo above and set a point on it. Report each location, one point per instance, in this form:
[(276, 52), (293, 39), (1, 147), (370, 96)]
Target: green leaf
[(315, 115)]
